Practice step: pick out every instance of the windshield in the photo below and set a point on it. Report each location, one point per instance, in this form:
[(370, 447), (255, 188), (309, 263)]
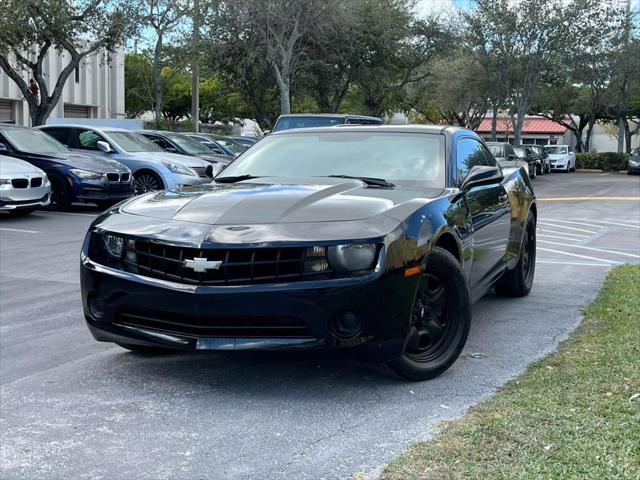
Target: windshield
[(520, 153), (33, 141), (556, 150), (187, 144), (133, 142), (396, 157), (287, 123), (231, 145), (496, 150)]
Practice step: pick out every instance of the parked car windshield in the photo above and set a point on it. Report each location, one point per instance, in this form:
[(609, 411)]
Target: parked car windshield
[(551, 149), (287, 123), (133, 142), (496, 150), (520, 152), (189, 145), (33, 141), (231, 145), (397, 157)]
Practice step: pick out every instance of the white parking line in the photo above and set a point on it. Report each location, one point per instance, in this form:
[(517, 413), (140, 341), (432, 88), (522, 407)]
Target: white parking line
[(571, 222), (617, 223), (555, 236), (70, 213), (584, 264), (590, 248), (544, 222), (576, 255), (565, 233), (19, 230)]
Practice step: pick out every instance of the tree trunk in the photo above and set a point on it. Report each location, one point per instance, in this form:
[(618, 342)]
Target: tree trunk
[(157, 80), (494, 119), (587, 142), (621, 135)]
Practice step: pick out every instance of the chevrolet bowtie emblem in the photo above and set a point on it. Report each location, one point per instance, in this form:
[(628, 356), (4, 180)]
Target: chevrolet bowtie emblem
[(199, 264)]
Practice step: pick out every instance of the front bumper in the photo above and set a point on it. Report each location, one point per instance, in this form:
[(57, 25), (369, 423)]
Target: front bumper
[(633, 168), (12, 198), (89, 191), (175, 180), (127, 308)]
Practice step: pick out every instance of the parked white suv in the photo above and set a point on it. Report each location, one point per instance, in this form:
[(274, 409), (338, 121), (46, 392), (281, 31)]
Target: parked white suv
[(562, 157)]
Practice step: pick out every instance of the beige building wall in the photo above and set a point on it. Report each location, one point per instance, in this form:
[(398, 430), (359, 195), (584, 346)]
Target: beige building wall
[(96, 90)]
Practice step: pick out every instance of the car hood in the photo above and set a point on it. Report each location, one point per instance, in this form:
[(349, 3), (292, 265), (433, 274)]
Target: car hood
[(271, 200), (10, 166), (93, 163), (183, 160), (512, 163), (558, 156)]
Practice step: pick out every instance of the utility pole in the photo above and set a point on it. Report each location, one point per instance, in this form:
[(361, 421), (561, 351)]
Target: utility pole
[(195, 68)]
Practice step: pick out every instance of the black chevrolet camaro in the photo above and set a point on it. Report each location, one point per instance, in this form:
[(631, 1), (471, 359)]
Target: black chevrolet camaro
[(369, 238)]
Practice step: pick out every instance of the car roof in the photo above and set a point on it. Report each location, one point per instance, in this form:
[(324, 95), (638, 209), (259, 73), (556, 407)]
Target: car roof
[(330, 115), (88, 127), (432, 129)]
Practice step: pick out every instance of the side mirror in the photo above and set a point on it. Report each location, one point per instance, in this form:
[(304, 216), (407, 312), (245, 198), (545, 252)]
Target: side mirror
[(511, 157), (171, 150), (3, 148), (103, 146), (480, 175), (217, 168)]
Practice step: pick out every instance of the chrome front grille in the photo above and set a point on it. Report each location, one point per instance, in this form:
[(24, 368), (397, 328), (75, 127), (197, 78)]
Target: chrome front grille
[(118, 177)]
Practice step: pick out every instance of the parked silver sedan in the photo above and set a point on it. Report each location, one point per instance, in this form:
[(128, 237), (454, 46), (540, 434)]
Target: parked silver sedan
[(23, 187)]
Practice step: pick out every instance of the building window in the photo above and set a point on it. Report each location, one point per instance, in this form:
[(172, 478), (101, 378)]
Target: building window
[(78, 74)]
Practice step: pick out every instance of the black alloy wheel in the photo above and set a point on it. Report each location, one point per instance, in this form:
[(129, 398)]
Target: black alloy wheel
[(60, 194), (147, 182), (518, 282), (440, 320)]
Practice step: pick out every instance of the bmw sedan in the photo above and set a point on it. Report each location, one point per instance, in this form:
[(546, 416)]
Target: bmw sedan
[(375, 240), (74, 177), (153, 168), (23, 187)]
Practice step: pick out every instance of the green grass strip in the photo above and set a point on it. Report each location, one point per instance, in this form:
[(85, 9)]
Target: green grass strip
[(575, 414)]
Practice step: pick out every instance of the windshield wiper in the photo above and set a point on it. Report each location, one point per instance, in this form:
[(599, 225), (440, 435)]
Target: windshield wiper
[(234, 179), (377, 182)]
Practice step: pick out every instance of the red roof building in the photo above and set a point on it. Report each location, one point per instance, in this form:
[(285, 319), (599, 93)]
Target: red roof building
[(535, 130)]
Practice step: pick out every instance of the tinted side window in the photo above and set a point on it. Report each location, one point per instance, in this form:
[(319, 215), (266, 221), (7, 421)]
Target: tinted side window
[(161, 142), (469, 153), (88, 139), (60, 134)]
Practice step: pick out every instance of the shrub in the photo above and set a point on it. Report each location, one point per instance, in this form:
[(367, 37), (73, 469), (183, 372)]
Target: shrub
[(605, 161)]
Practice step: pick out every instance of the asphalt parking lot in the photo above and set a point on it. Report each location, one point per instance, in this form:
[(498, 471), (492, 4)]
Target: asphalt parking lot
[(75, 408)]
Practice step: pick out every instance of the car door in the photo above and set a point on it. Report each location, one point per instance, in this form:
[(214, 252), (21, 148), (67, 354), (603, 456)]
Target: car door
[(489, 213)]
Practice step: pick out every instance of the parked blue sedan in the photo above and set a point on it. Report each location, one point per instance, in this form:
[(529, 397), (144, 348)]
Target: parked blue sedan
[(74, 177)]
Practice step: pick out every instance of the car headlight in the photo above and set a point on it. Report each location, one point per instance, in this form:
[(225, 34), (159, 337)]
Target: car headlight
[(349, 258), (179, 169), (47, 182), (634, 163), (86, 174), (114, 245), (6, 181)]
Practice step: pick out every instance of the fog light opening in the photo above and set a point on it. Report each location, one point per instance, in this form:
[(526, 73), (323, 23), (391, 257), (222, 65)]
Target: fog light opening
[(96, 306), (346, 325)]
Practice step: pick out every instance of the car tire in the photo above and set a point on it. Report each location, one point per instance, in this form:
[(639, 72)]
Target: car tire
[(518, 282), (440, 320), (60, 194), (147, 181), (22, 212), (145, 349)]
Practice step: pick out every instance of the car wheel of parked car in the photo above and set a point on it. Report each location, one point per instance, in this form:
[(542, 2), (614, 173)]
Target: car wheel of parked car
[(518, 282), (60, 195), (146, 350), (532, 173), (440, 320), (22, 212), (147, 181)]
